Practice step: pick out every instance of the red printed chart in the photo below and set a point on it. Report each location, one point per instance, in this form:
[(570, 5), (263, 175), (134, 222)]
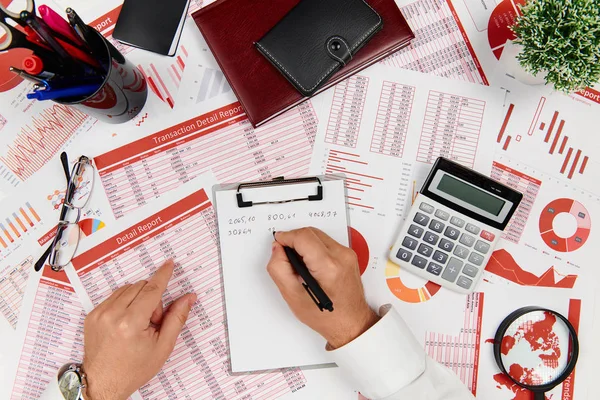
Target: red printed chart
[(346, 111), (503, 264), (185, 231), (441, 45), (555, 133), (548, 225), (54, 335), (460, 352), (405, 293), (222, 141), (525, 184), (393, 116), (41, 138), (361, 248), (502, 18), (13, 279), (451, 128)]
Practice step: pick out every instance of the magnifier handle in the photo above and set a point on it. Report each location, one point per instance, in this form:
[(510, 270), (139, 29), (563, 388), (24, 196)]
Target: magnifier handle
[(539, 396)]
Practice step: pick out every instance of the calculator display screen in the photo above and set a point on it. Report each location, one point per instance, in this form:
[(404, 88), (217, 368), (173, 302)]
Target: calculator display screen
[(470, 194)]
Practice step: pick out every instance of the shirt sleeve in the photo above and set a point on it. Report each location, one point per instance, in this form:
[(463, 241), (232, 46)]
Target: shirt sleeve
[(52, 392), (387, 362)]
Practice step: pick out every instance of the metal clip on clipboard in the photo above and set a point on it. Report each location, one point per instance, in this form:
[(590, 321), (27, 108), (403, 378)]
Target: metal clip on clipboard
[(277, 182), (310, 284)]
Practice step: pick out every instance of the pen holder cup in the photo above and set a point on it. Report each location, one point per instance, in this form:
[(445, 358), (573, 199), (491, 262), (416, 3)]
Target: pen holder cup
[(123, 92)]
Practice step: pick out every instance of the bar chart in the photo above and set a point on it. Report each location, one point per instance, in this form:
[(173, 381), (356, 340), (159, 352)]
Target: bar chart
[(554, 133), (16, 224)]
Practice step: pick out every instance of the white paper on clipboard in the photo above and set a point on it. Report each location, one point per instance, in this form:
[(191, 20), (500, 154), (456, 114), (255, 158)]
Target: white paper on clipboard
[(263, 332)]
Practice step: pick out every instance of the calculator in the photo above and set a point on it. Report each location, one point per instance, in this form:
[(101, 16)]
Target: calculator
[(454, 225)]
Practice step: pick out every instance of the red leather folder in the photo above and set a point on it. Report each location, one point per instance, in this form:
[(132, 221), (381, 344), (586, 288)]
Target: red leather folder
[(231, 27)]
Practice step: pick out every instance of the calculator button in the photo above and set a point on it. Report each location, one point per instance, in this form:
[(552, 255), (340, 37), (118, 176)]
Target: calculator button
[(461, 252), (440, 257), (410, 243), (425, 250), (467, 240), (482, 247), (452, 270), (430, 238), (452, 233), (421, 219), (470, 270), (434, 268), (428, 208), (457, 221), (415, 231), (472, 229), (476, 259), (419, 262), (436, 226), (464, 282), (487, 236), (447, 245), (443, 215), (404, 255)]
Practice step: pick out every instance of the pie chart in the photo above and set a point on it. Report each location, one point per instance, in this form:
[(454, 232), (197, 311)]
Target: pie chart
[(90, 225), (405, 293), (502, 18), (548, 226), (361, 248)]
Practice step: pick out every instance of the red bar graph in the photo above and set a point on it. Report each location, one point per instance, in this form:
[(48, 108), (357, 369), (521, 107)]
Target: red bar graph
[(566, 162), (551, 128), (505, 123), (572, 171), (583, 164), (573, 162), (557, 136), (506, 142), (359, 182), (562, 146)]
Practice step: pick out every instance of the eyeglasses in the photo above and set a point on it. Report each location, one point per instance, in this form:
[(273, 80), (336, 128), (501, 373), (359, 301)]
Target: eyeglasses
[(79, 187)]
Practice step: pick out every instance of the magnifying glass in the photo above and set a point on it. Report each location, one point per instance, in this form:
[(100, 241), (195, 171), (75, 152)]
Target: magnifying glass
[(536, 348)]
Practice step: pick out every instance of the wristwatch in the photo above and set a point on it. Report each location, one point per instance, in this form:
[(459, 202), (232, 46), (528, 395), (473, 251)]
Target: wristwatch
[(72, 381)]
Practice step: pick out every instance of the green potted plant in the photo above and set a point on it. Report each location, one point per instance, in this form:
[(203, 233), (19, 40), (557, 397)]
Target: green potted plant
[(558, 42)]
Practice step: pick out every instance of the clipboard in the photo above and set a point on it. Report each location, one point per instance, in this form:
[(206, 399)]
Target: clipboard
[(263, 332), (279, 181)]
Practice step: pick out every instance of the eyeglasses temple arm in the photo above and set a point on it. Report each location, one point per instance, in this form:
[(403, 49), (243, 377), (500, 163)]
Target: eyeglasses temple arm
[(40, 263), (64, 159)]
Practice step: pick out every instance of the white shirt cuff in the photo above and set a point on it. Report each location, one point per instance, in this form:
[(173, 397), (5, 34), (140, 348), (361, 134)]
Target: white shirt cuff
[(384, 359)]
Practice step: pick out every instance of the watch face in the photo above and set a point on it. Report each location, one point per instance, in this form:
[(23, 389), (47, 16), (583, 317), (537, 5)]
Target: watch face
[(70, 385)]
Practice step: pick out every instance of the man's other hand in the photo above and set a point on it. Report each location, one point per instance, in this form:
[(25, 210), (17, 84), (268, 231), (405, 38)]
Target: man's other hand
[(128, 337)]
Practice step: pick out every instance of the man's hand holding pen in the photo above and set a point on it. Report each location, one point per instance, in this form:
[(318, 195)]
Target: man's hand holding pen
[(335, 267)]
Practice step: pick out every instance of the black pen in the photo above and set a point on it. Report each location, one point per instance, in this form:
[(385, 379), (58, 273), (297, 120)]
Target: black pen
[(310, 283)]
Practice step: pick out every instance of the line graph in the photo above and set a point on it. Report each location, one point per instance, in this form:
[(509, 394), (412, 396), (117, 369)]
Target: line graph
[(39, 141), (504, 265)]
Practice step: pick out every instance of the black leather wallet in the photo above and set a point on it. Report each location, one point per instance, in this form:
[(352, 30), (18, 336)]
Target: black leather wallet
[(317, 38)]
